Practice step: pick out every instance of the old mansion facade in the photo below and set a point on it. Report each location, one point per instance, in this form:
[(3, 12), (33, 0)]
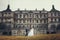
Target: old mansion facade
[(19, 22)]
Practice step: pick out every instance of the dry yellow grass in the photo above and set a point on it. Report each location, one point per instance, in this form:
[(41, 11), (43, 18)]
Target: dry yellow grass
[(37, 37)]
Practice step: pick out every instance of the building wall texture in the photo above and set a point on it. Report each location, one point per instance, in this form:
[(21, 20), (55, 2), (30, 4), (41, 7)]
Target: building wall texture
[(19, 22)]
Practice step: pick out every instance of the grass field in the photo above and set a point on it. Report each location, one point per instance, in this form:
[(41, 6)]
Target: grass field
[(37, 37)]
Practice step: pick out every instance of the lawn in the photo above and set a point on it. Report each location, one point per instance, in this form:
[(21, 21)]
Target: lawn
[(37, 37)]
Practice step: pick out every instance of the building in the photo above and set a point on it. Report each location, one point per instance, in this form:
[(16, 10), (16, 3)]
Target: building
[(19, 22)]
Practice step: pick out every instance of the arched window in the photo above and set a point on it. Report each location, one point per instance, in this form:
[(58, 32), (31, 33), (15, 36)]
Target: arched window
[(5, 33), (58, 27), (53, 29)]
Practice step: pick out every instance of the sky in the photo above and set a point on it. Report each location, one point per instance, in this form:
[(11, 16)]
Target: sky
[(29, 4)]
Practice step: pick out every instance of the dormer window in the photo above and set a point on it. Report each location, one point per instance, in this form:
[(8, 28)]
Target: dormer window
[(30, 12)]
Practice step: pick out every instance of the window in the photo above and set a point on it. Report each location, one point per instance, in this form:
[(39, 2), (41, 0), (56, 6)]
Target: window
[(20, 16), (37, 16), (45, 15), (44, 21), (34, 21), (30, 15), (51, 19), (40, 16), (37, 21), (21, 21), (34, 15), (30, 20), (59, 19), (24, 16), (30, 12), (55, 19), (58, 27), (54, 14), (40, 21), (18, 21), (53, 29), (5, 33)]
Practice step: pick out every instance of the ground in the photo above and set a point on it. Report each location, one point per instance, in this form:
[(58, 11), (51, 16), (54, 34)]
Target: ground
[(37, 37)]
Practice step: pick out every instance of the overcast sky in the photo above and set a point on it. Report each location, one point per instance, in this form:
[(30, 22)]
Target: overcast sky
[(29, 4)]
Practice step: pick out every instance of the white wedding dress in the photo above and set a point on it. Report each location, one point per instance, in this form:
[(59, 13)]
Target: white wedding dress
[(31, 32)]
